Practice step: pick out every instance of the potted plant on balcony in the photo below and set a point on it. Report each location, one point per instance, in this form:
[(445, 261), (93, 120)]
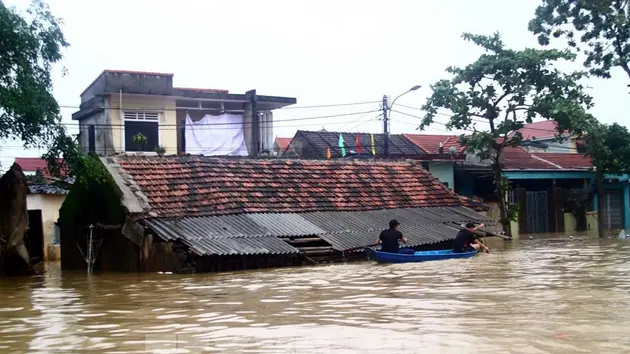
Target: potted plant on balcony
[(160, 150), (140, 140)]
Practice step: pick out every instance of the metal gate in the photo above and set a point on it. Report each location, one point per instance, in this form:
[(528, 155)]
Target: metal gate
[(537, 213), (613, 209)]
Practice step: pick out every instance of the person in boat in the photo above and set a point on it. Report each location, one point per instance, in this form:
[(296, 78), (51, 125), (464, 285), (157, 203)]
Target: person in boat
[(465, 240), (388, 239)]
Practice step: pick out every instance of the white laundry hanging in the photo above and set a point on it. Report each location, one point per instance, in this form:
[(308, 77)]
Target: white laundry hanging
[(220, 135)]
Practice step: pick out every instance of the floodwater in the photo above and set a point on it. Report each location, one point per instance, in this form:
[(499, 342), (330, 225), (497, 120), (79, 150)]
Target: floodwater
[(555, 295)]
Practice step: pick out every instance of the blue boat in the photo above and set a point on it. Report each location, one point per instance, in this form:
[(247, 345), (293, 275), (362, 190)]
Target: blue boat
[(420, 256)]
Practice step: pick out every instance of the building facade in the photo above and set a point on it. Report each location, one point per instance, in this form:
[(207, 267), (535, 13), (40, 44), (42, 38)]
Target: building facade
[(130, 111)]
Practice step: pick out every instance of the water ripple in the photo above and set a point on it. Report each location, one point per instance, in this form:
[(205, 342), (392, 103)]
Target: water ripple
[(546, 296)]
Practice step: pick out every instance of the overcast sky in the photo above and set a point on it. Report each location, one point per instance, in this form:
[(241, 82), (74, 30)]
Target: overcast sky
[(320, 52)]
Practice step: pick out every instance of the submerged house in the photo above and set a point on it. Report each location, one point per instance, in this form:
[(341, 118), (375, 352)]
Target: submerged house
[(554, 191), (551, 182), (45, 196), (211, 214)]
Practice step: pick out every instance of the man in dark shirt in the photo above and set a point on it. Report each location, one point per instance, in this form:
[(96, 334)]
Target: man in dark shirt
[(389, 239), (465, 240)]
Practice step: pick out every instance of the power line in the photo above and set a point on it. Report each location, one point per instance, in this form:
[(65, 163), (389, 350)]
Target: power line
[(223, 124), (369, 120), (479, 120), (330, 105), (358, 119), (218, 109)]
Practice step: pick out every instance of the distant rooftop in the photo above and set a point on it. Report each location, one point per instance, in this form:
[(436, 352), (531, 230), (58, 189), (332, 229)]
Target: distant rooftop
[(110, 82)]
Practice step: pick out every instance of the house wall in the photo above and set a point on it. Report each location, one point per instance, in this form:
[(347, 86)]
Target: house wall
[(570, 223), (168, 120), (49, 205), (443, 170)]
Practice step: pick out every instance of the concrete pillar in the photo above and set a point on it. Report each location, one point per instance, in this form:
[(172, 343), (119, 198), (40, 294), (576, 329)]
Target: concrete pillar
[(247, 127), (269, 138)]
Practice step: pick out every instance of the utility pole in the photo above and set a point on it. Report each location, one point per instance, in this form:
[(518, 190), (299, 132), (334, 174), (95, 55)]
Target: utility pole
[(385, 128), (387, 108)]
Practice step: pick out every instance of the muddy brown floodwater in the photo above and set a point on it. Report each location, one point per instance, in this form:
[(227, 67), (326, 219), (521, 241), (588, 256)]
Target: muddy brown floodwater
[(542, 296)]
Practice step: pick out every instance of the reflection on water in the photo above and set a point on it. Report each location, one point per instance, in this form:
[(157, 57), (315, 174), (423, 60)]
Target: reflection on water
[(543, 296)]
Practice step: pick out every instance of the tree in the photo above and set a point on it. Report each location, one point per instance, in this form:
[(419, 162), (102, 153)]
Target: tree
[(505, 88), (598, 28), (609, 148), (29, 46)]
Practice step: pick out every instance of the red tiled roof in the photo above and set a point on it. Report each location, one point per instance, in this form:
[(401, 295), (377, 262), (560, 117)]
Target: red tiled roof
[(542, 129), (566, 160), (200, 186), (430, 143), (32, 164), (517, 158), (283, 143)]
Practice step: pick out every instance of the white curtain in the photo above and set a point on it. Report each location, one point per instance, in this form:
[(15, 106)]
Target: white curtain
[(220, 135)]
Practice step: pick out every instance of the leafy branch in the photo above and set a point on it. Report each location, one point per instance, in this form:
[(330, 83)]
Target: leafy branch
[(506, 89), (600, 29)]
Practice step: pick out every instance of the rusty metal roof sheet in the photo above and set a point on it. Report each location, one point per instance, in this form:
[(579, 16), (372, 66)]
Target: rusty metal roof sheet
[(204, 238)]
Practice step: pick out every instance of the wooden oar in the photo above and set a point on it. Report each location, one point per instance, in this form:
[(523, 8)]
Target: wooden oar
[(477, 232)]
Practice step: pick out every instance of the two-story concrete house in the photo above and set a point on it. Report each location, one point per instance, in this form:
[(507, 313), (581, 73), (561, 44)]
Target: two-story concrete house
[(119, 106)]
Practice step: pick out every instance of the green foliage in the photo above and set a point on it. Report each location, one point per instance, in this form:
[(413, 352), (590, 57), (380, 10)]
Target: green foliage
[(76, 162), (139, 139), (598, 28), (29, 46), (511, 208), (92, 201), (38, 178), (505, 88), (160, 150), (609, 147)]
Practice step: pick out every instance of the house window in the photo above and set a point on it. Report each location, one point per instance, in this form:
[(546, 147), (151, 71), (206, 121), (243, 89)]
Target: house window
[(91, 138), (145, 123)]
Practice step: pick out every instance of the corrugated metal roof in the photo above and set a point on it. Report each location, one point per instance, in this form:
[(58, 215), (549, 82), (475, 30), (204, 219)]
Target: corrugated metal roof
[(284, 225), (258, 233), (205, 237), (240, 246), (417, 234)]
